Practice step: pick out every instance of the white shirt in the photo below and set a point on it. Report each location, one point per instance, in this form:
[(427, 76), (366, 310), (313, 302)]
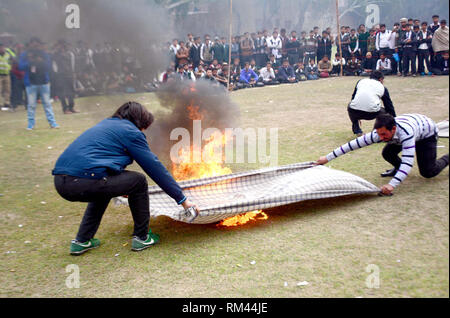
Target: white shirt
[(383, 40), (266, 74), (384, 65), (368, 95), (275, 45), (423, 46)]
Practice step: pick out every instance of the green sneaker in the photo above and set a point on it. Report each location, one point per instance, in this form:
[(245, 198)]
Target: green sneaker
[(138, 245), (78, 248)]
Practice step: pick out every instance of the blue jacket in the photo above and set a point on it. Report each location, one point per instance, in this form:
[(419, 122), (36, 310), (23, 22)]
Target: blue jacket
[(246, 76), (110, 146), (24, 65)]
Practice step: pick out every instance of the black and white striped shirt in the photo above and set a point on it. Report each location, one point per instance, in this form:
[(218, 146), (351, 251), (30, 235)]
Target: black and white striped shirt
[(410, 129)]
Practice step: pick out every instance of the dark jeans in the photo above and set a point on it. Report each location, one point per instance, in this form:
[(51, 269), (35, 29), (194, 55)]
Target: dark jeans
[(67, 94), (424, 55), (426, 154), (409, 58), (99, 192), (356, 115)]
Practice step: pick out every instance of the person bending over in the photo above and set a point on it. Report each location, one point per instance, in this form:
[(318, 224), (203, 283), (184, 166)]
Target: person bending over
[(366, 101), (409, 134), (92, 169)]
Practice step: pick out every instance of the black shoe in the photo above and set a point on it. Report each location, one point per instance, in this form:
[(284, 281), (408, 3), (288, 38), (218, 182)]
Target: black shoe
[(389, 173)]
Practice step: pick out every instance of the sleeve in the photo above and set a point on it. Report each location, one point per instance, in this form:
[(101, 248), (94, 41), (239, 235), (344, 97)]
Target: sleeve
[(360, 142), (139, 150), (355, 90), (377, 40), (387, 102), (408, 152)]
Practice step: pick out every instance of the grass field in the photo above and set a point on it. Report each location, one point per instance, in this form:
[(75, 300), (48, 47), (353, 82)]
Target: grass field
[(328, 243)]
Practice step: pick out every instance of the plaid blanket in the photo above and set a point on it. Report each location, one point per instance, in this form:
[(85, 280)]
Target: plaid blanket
[(225, 196)]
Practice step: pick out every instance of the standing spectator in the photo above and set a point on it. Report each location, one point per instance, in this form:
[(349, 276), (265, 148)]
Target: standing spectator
[(311, 47), (345, 42), (260, 48), (284, 40), (353, 47), (400, 33), (173, 49), (235, 48), (324, 46), (409, 43), (5, 80), (206, 54), (194, 53), (219, 51), (17, 86), (382, 42), (293, 48), (384, 65), (312, 72), (363, 39), (275, 45), (435, 25), (440, 42), (286, 73), (325, 67), (247, 46), (36, 64), (182, 54), (63, 77), (371, 47), (424, 38), (190, 40), (302, 41), (368, 65)]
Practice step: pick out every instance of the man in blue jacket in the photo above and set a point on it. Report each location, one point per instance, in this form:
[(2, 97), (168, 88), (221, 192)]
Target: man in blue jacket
[(92, 169), (286, 73), (36, 64), (248, 77)]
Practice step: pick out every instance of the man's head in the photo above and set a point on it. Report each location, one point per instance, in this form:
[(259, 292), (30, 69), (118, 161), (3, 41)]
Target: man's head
[(275, 34), (285, 63), (209, 72), (443, 24), (385, 126), (417, 22), (369, 55), (197, 40), (382, 28), (435, 19), (35, 43), (247, 66), (362, 28), (268, 65), (283, 32), (416, 28), (324, 34), (136, 113), (378, 76), (182, 44), (325, 58), (408, 27), (403, 22), (293, 34), (207, 38), (311, 33), (353, 32), (311, 61), (424, 26)]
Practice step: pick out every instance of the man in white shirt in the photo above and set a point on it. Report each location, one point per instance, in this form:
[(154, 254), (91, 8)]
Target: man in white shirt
[(268, 75), (424, 38), (383, 40), (366, 101), (384, 65), (275, 45)]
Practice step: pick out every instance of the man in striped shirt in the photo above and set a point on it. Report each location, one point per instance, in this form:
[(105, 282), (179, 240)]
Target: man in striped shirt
[(408, 134)]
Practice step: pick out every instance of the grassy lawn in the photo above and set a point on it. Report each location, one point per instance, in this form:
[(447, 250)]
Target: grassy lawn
[(328, 243)]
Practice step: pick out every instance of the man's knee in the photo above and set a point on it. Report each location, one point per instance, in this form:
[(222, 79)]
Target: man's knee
[(428, 174)]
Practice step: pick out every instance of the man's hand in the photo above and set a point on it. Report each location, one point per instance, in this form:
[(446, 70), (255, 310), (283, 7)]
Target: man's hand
[(387, 189), (187, 204), (321, 161)]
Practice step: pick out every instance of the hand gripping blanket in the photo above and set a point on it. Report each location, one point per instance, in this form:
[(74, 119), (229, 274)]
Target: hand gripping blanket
[(225, 196)]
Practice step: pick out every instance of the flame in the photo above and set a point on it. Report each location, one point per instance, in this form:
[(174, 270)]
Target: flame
[(187, 169), (243, 218)]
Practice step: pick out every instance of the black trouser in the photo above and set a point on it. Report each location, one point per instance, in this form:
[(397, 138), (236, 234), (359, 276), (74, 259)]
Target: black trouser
[(356, 115), (426, 153), (67, 93), (99, 192), (409, 57), (424, 55)]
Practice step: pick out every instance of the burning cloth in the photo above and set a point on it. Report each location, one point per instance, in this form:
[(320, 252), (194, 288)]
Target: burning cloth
[(226, 196)]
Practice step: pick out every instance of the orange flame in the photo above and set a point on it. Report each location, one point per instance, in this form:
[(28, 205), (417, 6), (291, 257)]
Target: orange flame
[(188, 170), (243, 218)]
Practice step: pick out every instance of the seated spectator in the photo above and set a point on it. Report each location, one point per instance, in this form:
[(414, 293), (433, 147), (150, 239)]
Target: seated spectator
[(235, 70), (253, 66), (300, 73), (274, 62), (209, 76), (267, 75), (441, 65), (188, 73), (325, 67), (368, 65), (248, 77), (312, 72), (200, 72), (337, 64), (286, 73), (384, 65), (353, 67)]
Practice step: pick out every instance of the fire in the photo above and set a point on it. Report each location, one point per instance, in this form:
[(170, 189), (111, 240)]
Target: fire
[(244, 218), (209, 166)]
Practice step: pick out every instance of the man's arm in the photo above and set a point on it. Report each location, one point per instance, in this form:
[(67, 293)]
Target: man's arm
[(387, 102), (139, 150), (360, 142)]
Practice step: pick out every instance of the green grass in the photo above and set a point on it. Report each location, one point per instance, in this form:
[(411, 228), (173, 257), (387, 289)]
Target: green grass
[(328, 243)]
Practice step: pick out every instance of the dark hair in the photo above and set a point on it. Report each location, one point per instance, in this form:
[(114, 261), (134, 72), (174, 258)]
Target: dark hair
[(376, 75), (385, 120), (424, 23), (382, 25), (435, 16), (136, 113)]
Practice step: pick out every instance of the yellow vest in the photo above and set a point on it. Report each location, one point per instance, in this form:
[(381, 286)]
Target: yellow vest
[(5, 67)]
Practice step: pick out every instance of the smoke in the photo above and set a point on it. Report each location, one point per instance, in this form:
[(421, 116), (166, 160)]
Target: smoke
[(212, 104)]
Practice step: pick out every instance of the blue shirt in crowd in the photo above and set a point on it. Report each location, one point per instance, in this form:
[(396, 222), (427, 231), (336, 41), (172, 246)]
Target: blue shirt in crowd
[(246, 76), (110, 146)]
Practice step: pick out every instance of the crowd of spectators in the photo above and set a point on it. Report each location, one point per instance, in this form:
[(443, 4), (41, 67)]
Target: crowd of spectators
[(410, 48)]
